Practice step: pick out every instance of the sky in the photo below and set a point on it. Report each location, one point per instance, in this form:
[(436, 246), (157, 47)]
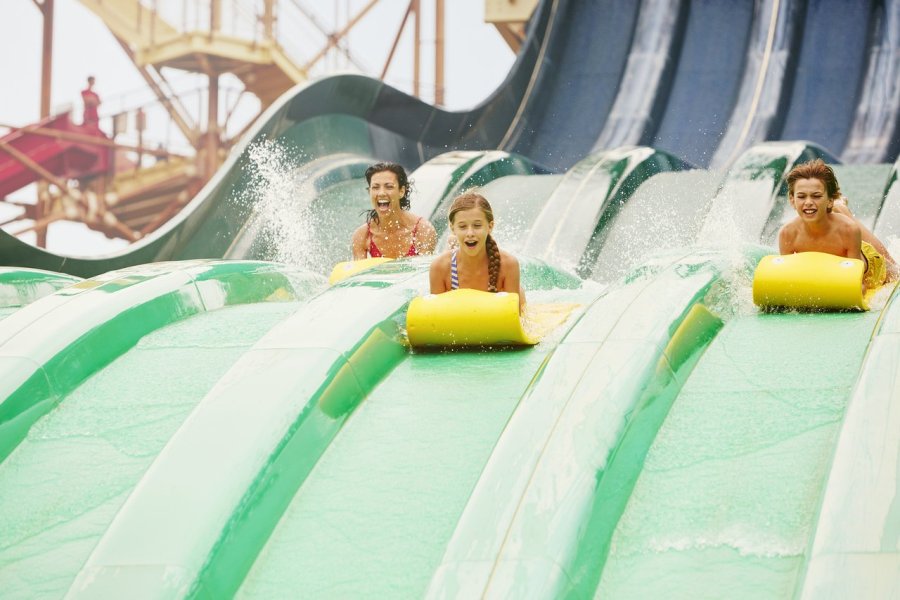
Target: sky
[(476, 62)]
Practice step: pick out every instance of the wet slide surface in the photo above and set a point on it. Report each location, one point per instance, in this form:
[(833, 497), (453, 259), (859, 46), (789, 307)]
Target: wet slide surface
[(590, 46), (65, 482), (728, 496), (709, 67), (831, 66), (375, 514)]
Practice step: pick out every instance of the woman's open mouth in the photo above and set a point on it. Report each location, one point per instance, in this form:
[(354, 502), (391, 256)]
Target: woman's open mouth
[(471, 243)]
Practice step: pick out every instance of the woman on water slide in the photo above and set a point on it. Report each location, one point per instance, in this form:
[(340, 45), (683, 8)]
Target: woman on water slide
[(391, 230)]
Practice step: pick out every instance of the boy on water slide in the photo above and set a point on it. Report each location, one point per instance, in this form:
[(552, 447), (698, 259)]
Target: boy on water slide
[(825, 224)]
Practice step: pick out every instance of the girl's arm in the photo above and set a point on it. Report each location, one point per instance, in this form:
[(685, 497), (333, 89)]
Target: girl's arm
[(509, 264), (439, 273)]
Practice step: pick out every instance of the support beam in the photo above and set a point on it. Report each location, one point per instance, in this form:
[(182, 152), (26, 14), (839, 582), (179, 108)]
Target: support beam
[(335, 38), (390, 57), (34, 167), (417, 50), (212, 127), (510, 34), (40, 225), (438, 52), (312, 18), (215, 17), (268, 19), (46, 57), (47, 10), (187, 130), (81, 138)]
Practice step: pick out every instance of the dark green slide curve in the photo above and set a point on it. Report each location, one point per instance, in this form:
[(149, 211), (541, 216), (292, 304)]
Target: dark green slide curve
[(202, 416)]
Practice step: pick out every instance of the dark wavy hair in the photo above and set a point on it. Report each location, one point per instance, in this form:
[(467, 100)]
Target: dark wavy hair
[(402, 181), (471, 200)]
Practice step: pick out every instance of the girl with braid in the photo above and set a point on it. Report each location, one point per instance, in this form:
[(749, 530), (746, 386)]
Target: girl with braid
[(476, 262)]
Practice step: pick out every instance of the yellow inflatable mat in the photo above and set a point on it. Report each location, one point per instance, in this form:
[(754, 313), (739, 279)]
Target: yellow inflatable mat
[(812, 280), (474, 318), (345, 269)]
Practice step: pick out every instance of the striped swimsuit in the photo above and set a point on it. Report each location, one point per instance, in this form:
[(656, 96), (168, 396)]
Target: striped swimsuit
[(454, 272)]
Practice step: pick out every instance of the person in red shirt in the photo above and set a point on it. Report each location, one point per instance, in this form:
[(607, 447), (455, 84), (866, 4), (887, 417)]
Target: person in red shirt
[(91, 102)]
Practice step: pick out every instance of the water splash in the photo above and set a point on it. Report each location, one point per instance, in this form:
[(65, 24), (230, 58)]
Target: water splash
[(282, 219)]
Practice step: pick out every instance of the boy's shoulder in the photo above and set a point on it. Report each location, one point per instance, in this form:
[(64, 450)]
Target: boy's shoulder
[(845, 222), (790, 229)]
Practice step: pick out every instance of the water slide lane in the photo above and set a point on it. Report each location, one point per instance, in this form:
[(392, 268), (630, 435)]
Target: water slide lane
[(887, 221), (832, 66), (574, 446), (50, 346), (588, 43), (876, 125), (856, 548), (67, 479), (762, 93), (572, 226), (641, 92), (727, 499), (92, 437), (706, 80), (225, 477), (373, 516), (20, 287)]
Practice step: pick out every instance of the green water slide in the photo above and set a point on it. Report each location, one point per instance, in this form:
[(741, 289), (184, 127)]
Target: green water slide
[(96, 377), (229, 475), (21, 286), (728, 495), (234, 428)]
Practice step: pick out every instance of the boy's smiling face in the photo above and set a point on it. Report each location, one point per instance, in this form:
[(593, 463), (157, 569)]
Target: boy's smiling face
[(811, 201)]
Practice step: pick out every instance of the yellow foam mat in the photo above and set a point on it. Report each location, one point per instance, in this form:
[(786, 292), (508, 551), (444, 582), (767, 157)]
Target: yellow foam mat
[(813, 280), (345, 269), (474, 318)]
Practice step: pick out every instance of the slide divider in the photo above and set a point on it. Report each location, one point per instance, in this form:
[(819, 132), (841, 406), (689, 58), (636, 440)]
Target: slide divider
[(52, 345), (855, 548), (226, 477), (20, 286), (540, 519)]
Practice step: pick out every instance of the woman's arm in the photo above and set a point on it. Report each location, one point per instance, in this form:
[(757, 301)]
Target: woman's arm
[(358, 243), (426, 241)]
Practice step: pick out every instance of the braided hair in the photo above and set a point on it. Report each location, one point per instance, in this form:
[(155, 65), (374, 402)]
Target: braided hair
[(471, 200), (402, 181)]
